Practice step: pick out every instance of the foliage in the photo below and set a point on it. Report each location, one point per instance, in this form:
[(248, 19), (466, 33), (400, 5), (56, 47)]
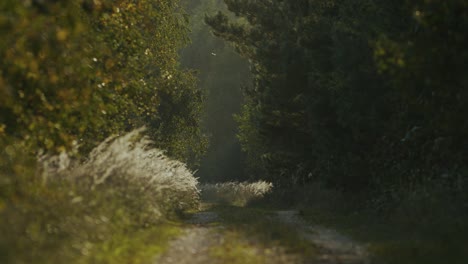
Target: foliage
[(72, 74), (366, 96), (81, 212), (75, 72)]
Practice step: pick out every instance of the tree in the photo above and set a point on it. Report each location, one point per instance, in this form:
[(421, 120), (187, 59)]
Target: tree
[(351, 93)]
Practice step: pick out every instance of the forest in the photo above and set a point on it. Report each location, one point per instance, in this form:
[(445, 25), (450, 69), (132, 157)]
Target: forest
[(122, 119)]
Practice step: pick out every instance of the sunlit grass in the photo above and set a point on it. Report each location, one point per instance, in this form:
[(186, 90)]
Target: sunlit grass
[(133, 247)]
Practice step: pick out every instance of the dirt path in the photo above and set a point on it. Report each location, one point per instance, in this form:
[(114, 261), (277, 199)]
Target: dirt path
[(195, 245), (334, 247)]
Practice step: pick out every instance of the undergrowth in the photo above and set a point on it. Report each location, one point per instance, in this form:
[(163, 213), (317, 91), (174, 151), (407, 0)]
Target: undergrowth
[(115, 207)]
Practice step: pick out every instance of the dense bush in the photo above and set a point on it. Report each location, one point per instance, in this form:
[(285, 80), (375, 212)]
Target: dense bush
[(74, 72), (365, 96)]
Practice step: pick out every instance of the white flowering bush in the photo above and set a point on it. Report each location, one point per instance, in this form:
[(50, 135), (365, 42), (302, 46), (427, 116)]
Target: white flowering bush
[(235, 193)]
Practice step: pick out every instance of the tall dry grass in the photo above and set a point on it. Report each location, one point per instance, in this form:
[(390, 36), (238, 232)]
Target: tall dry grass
[(66, 211), (130, 164), (235, 193)]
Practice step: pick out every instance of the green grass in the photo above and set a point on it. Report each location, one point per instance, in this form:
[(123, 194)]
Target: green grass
[(262, 229), (138, 246)]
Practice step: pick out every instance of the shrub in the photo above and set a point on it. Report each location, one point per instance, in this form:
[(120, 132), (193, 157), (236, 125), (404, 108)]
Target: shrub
[(235, 193)]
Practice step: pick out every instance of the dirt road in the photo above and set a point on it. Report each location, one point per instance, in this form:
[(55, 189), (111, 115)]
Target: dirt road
[(207, 239)]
